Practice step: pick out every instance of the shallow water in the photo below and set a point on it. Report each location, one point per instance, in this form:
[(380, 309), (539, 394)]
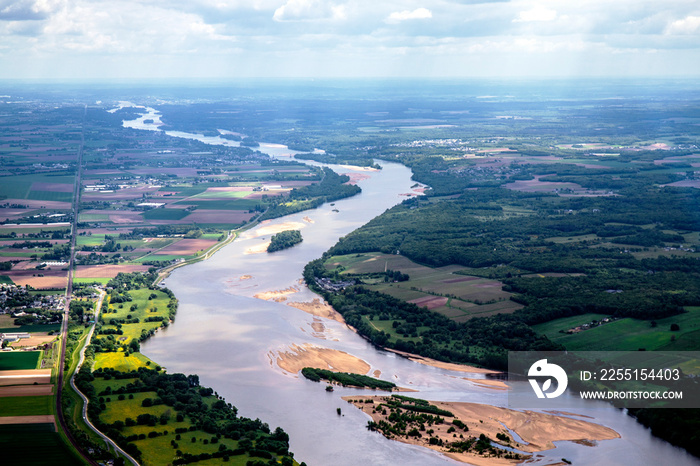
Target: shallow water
[(225, 335)]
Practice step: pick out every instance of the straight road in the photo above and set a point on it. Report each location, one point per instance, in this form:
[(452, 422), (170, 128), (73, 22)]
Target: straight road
[(69, 294)]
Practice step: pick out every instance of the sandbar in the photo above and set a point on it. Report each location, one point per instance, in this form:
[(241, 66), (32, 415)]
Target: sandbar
[(318, 308), (276, 295), (538, 431), (443, 365), (489, 383), (307, 355), (266, 229), (260, 248)]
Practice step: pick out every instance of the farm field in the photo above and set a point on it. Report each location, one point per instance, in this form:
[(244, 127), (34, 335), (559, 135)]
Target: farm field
[(18, 360), (459, 297), (145, 304), (26, 405), (34, 445), (627, 334), (119, 361)]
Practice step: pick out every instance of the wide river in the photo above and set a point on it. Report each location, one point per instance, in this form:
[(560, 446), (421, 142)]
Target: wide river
[(229, 338)]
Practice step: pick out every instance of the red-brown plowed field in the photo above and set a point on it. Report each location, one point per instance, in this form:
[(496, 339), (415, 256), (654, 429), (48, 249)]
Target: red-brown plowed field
[(186, 247), (431, 302), (107, 270), (219, 216)]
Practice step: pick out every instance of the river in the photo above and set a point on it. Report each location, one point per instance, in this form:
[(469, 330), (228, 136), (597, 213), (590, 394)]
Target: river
[(227, 336)]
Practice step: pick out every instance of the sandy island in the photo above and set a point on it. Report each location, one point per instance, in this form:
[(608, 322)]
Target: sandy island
[(538, 431), (277, 295), (318, 308), (444, 365), (265, 229), (489, 383), (258, 249), (307, 355)]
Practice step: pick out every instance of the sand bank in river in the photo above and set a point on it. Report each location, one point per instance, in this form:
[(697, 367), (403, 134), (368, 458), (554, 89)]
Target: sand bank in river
[(538, 431), (489, 383), (265, 229), (443, 365), (319, 308), (257, 249), (317, 357), (277, 295)]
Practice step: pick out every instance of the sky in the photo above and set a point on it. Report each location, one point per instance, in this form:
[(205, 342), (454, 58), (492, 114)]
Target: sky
[(131, 39)]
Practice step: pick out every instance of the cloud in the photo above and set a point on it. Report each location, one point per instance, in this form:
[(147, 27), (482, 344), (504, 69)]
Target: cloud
[(687, 25), (26, 10), (418, 13), (308, 10), (539, 13)]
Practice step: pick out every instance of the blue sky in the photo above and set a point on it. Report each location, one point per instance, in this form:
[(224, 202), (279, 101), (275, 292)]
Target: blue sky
[(353, 38)]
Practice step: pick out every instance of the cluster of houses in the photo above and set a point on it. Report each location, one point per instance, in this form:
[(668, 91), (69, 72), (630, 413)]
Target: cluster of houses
[(590, 325), (332, 286)]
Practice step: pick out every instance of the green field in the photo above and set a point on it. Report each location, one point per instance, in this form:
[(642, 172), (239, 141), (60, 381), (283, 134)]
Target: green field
[(26, 405), (31, 328), (628, 334), (165, 214), (184, 190), (18, 360), (90, 281), (91, 240), (6, 280), (6, 230), (50, 196), (120, 362), (146, 308), (34, 445), (19, 186)]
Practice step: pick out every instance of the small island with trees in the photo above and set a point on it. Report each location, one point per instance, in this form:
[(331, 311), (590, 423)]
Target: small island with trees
[(284, 239), (347, 379)]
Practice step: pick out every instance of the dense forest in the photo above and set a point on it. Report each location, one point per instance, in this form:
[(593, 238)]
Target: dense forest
[(331, 188)]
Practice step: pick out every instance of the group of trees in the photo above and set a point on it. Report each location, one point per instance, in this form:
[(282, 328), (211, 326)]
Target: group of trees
[(345, 379), (284, 239), (331, 188)]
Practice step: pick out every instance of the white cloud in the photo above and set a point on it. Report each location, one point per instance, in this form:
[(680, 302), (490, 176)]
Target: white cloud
[(538, 13), (687, 25), (418, 13), (306, 10)]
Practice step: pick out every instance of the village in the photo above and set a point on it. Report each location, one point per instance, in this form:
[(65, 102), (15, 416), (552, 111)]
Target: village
[(20, 307)]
